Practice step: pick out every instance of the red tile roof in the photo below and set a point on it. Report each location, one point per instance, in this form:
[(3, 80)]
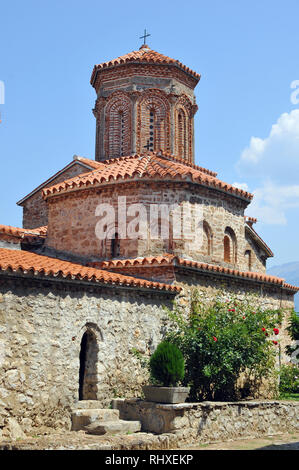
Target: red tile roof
[(15, 234), (168, 260), (144, 55), (250, 220), (88, 162), (154, 165), (30, 263)]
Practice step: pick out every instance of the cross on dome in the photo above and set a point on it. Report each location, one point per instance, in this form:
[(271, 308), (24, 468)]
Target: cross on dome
[(145, 35)]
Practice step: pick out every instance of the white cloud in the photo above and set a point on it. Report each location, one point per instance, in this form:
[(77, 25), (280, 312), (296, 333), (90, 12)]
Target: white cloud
[(277, 155), (271, 202), (243, 186), (272, 165)]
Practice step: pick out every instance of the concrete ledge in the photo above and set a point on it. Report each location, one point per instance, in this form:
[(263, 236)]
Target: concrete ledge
[(212, 421)]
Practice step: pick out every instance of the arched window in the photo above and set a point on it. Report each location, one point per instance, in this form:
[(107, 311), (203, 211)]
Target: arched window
[(183, 128), (248, 258), (182, 137), (122, 133), (117, 126), (151, 132), (230, 246), (227, 249), (207, 239), (153, 122), (116, 133)]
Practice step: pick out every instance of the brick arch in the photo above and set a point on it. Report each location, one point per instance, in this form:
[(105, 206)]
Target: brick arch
[(118, 125), (230, 246), (153, 121), (183, 117), (248, 259), (207, 239)]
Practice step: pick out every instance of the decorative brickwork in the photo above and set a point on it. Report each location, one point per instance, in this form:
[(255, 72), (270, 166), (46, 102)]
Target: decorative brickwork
[(153, 122), (145, 102), (143, 70), (118, 125), (184, 112)]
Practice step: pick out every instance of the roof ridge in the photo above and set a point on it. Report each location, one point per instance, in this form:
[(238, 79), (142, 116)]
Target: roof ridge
[(114, 171)]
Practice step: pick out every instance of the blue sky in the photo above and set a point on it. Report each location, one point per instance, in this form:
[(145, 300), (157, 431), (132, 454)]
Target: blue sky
[(247, 127)]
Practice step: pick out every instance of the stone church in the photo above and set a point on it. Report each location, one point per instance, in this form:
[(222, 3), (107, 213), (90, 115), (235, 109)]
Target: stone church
[(74, 305)]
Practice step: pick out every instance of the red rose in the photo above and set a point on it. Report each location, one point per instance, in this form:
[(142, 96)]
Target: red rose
[(275, 342), (266, 334), (276, 330), (214, 338), (263, 329), (244, 318)]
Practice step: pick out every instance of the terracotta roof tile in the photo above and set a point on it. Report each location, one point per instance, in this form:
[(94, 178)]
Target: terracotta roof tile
[(154, 165), (250, 220), (15, 234), (88, 162), (144, 55), (33, 264), (168, 260)]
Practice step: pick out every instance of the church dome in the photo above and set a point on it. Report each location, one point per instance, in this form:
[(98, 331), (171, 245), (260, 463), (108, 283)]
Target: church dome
[(145, 55), (145, 102)]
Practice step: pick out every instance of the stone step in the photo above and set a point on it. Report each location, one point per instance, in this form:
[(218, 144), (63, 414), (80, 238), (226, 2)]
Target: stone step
[(113, 427), (88, 404), (83, 417)]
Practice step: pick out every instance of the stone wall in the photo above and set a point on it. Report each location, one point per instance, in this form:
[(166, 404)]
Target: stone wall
[(41, 328), (35, 210), (213, 421), (72, 223), (42, 323)]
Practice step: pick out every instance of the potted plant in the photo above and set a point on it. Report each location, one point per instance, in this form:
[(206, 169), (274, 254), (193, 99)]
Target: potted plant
[(167, 369)]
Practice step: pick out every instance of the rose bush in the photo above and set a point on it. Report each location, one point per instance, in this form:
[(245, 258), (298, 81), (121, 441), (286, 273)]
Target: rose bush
[(222, 340)]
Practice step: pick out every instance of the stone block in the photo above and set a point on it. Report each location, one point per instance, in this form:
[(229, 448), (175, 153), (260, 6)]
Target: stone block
[(88, 404), (82, 418), (113, 427)]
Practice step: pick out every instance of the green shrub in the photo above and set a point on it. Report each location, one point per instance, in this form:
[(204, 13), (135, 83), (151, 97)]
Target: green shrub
[(289, 379), (293, 330), (167, 364), (220, 341)]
